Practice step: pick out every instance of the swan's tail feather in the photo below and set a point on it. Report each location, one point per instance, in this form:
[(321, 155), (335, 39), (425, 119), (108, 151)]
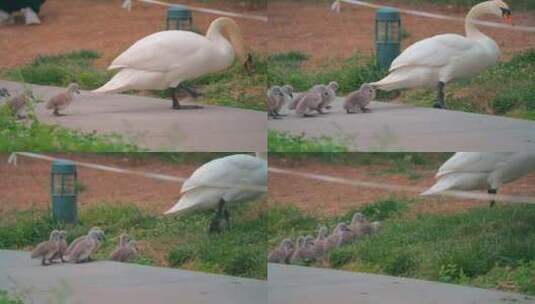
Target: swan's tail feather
[(439, 186), (391, 82), (176, 210), (183, 205), (117, 84)]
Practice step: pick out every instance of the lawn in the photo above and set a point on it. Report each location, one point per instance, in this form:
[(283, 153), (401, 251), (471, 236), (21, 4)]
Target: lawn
[(232, 87), (32, 135), (284, 142), (286, 68), (482, 247), (162, 241), (7, 299), (505, 89)]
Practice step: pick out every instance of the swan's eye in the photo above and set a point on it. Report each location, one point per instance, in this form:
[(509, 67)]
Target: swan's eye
[(505, 11)]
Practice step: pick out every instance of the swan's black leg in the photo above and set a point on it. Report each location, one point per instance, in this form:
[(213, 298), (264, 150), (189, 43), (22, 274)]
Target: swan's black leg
[(492, 191), (176, 103), (439, 103), (220, 222)]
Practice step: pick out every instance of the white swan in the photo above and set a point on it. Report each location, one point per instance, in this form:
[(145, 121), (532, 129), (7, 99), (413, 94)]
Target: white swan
[(482, 170), (227, 180), (437, 60), (166, 59)]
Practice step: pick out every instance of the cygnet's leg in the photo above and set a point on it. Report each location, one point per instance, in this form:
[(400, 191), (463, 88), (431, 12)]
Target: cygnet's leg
[(318, 109), (57, 113), (274, 115), (279, 114), (492, 191), (365, 110), (439, 102), (176, 103)]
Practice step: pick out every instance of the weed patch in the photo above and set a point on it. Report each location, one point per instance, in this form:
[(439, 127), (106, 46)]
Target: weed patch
[(163, 241)]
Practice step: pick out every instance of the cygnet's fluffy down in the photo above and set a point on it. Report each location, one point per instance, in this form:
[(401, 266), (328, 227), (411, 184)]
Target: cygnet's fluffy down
[(359, 99)]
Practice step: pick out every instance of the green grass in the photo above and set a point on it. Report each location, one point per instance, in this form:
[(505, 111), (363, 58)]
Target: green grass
[(32, 135), (60, 70), (7, 299), (483, 247), (284, 222), (283, 142), (232, 87), (505, 89), (285, 68), (180, 242)]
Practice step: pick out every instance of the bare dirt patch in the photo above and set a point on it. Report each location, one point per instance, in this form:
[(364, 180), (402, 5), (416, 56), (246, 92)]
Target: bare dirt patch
[(321, 198), (307, 27), (327, 36), (105, 27), (28, 184)]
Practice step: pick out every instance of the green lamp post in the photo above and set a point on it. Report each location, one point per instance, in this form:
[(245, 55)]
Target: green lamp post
[(63, 191), (179, 18), (387, 36)]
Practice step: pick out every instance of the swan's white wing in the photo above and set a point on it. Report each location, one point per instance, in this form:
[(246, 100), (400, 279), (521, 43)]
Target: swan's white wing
[(434, 51), (162, 51), (458, 181), (475, 162), (515, 166), (222, 178), (227, 170)]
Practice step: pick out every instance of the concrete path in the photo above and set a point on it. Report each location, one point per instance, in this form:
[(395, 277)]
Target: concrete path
[(397, 127), (298, 285), (151, 123), (110, 282)]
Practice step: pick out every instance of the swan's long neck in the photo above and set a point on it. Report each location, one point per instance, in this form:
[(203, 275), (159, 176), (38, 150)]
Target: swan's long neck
[(477, 11), (215, 29), (229, 27)]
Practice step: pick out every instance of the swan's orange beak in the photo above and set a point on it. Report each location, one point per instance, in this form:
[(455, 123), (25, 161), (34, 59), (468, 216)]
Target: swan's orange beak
[(507, 16), (508, 19)]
